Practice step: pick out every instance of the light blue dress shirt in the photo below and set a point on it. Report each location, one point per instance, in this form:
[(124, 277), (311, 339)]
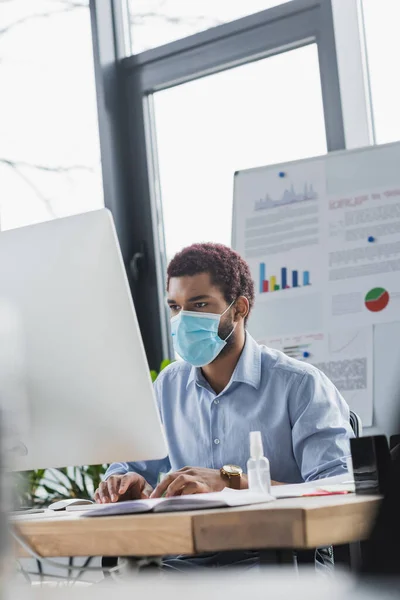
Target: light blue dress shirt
[(303, 419)]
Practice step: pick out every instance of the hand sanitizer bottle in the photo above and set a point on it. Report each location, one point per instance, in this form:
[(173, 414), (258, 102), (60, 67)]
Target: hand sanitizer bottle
[(258, 472)]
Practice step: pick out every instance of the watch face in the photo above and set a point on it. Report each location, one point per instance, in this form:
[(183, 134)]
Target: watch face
[(232, 469)]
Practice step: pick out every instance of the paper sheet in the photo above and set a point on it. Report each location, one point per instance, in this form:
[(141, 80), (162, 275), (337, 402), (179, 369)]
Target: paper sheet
[(350, 367), (322, 238), (279, 236), (335, 484), (345, 356), (363, 254), (221, 499)]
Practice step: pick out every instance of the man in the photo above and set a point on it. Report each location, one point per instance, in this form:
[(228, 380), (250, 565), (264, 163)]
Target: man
[(226, 386)]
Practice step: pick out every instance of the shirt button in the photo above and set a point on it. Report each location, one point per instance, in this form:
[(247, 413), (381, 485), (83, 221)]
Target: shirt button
[(216, 441), (216, 401)]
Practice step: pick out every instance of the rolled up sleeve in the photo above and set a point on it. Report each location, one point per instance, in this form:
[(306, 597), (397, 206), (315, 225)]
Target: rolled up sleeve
[(149, 469), (320, 427)]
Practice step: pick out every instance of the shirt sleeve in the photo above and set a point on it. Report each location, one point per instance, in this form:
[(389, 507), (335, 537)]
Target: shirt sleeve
[(149, 469), (320, 427)]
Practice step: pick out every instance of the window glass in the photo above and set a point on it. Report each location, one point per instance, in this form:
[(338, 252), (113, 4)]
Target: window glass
[(260, 113), (382, 19), (49, 143), (157, 22)]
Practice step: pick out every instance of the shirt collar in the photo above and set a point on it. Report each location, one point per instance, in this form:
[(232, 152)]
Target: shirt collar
[(247, 370)]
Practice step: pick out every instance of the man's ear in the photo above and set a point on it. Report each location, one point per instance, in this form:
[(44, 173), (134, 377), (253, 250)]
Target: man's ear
[(242, 308)]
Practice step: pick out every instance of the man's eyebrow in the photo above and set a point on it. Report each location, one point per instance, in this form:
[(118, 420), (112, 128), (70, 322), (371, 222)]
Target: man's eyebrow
[(193, 299), (201, 297)]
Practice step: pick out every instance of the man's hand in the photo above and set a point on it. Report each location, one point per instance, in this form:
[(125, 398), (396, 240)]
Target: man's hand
[(189, 480), (122, 487)]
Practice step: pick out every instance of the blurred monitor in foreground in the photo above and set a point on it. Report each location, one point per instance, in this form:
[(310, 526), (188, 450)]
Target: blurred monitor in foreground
[(79, 373)]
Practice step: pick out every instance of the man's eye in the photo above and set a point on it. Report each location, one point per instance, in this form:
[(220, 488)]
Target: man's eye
[(174, 307), (201, 304)]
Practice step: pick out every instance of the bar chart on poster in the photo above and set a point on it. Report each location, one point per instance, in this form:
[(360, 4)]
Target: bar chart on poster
[(273, 284), (322, 238)]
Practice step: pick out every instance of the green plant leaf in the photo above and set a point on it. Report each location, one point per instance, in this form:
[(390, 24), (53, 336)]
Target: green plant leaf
[(54, 485), (43, 485), (165, 363), (52, 493), (84, 486)]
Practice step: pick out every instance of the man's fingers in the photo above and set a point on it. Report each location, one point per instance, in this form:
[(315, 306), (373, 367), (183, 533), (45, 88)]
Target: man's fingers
[(103, 493), (162, 487), (122, 487), (126, 482), (194, 487), (188, 471), (178, 486), (113, 484), (146, 492)]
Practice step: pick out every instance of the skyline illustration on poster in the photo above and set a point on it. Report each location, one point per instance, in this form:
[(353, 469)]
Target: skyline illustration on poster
[(289, 196)]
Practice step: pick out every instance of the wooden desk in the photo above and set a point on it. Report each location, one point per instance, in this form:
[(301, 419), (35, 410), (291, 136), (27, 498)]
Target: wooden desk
[(300, 523), (293, 523)]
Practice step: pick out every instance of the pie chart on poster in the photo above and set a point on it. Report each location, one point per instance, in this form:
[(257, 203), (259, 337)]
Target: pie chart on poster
[(377, 299)]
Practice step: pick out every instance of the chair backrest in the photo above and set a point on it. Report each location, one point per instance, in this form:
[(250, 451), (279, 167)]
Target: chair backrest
[(394, 441), (356, 424)]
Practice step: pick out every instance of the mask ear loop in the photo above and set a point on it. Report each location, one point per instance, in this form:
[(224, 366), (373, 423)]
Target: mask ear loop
[(234, 325), (226, 310), (231, 304), (227, 338)]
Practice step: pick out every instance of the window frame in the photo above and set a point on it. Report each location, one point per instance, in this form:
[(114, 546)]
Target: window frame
[(126, 120)]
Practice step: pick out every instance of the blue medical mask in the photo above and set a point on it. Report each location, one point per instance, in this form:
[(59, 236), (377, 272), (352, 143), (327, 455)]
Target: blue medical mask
[(195, 336)]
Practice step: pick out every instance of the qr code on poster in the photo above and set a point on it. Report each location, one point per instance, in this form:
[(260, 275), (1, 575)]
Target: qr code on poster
[(349, 374)]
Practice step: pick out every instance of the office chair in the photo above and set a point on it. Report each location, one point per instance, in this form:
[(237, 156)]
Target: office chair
[(343, 553), (381, 552), (356, 424), (350, 553)]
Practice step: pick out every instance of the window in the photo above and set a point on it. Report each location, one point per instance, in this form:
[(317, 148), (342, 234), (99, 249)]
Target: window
[(49, 143), (157, 22), (256, 114), (381, 20)]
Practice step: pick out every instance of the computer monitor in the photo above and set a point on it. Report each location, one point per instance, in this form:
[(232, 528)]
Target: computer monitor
[(89, 394)]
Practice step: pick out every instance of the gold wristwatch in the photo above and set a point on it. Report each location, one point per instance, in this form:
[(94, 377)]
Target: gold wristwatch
[(232, 475)]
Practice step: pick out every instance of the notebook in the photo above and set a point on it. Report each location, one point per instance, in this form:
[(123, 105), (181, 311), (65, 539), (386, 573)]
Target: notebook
[(338, 484), (224, 499)]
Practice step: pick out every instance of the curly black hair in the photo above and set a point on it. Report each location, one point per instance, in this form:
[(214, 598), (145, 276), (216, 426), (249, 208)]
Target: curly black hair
[(227, 269)]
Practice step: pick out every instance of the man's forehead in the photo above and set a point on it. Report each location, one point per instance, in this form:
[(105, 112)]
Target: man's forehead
[(192, 285)]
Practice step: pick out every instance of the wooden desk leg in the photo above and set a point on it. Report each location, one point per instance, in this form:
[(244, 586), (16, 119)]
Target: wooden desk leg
[(355, 555), (281, 557), (108, 562), (286, 557)]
